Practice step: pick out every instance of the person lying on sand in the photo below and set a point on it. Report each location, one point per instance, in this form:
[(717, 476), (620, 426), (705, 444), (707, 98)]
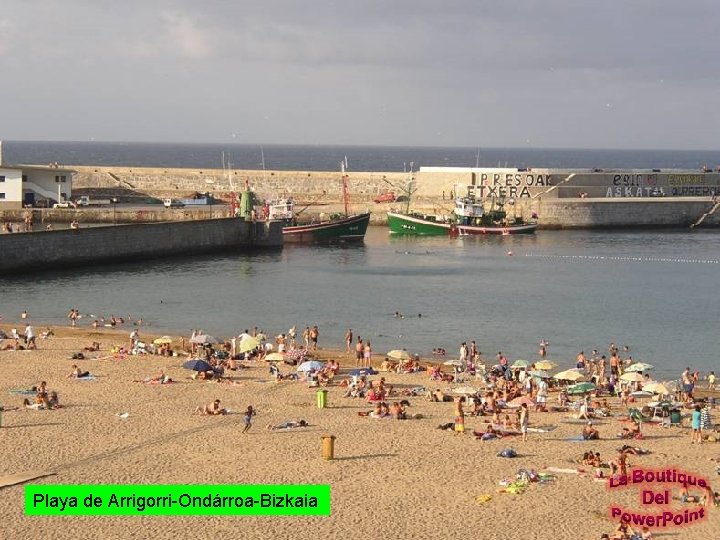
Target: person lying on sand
[(589, 433), (95, 346), (288, 425), (77, 373), (211, 409), (632, 432), (160, 378), (623, 532)]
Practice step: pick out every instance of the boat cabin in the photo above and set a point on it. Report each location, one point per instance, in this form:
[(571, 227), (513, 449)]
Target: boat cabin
[(280, 209)]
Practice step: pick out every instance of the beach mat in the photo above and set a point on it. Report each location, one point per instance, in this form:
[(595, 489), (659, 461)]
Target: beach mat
[(23, 392), (13, 479), (579, 438)]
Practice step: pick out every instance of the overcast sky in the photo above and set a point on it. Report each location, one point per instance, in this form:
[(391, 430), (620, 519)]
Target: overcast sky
[(553, 73)]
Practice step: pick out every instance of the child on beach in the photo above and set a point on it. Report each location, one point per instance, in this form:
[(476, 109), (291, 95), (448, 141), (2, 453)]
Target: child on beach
[(248, 418)]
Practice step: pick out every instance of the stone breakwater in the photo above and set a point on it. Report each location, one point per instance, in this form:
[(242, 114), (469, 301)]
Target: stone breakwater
[(136, 242), (553, 201)]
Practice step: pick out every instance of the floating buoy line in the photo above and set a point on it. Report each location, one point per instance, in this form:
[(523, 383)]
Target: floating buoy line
[(630, 259)]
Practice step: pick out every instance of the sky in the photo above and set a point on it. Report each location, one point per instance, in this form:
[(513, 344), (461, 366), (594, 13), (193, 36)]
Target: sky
[(633, 74)]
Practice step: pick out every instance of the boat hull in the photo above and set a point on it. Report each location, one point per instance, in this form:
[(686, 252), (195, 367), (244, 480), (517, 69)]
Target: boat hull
[(407, 224), (349, 229)]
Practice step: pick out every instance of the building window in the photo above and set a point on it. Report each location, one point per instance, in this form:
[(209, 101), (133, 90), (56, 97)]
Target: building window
[(59, 179), (2, 195), (24, 177), (64, 196), (2, 178)]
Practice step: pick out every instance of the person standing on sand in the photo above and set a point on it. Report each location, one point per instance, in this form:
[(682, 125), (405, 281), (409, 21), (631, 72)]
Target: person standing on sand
[(696, 426), (348, 340), (249, 413), (314, 334), (367, 355), (292, 333), (524, 420), (306, 337), (134, 337), (459, 415), (30, 337), (359, 352)]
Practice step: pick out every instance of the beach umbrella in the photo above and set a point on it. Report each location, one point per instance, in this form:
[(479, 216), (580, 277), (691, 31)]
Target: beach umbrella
[(639, 366), (163, 340), (399, 354), (204, 339), (456, 363), (656, 388), (519, 364), (569, 375), (197, 365), (539, 374), (633, 376), (248, 344), (581, 388), (673, 386), (275, 357), (518, 401), (545, 364), (310, 365)]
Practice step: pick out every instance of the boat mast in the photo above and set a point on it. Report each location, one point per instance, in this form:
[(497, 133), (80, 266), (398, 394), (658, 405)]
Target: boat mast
[(343, 164), (409, 190)]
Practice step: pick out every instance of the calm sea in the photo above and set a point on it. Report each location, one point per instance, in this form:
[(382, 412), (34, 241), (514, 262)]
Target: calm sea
[(653, 291), (327, 158)]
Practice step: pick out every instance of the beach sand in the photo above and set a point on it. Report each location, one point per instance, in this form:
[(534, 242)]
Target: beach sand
[(404, 479)]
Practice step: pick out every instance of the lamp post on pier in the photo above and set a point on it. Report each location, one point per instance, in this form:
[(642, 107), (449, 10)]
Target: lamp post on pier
[(114, 202)]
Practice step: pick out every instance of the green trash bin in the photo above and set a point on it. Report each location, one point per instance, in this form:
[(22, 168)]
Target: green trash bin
[(675, 418), (321, 399)]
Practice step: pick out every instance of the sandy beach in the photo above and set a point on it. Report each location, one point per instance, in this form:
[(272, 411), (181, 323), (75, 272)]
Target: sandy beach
[(404, 479)]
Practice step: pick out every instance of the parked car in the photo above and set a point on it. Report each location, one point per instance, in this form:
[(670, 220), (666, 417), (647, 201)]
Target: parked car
[(388, 196), (65, 204), (173, 203)]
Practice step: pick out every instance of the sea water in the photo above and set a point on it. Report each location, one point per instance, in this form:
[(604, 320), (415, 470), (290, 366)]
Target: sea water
[(652, 291), (655, 292)]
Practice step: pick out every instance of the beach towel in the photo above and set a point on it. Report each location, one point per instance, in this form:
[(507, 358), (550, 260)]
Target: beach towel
[(484, 498), (545, 429), (23, 392), (13, 479), (88, 378), (516, 488), (560, 470), (578, 438)]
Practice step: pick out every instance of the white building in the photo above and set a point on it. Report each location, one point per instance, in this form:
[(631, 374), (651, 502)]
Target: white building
[(30, 185)]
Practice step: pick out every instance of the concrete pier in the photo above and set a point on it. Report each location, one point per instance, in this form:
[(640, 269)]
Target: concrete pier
[(49, 250)]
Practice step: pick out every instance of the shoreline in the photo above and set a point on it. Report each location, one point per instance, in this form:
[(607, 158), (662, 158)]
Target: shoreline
[(113, 430)]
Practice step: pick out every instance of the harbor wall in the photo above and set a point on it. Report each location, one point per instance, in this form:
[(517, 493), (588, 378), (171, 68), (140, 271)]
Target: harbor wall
[(561, 198), (429, 183), (627, 213), (36, 251)]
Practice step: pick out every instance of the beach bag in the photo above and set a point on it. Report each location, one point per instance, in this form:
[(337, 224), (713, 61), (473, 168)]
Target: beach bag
[(507, 453)]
